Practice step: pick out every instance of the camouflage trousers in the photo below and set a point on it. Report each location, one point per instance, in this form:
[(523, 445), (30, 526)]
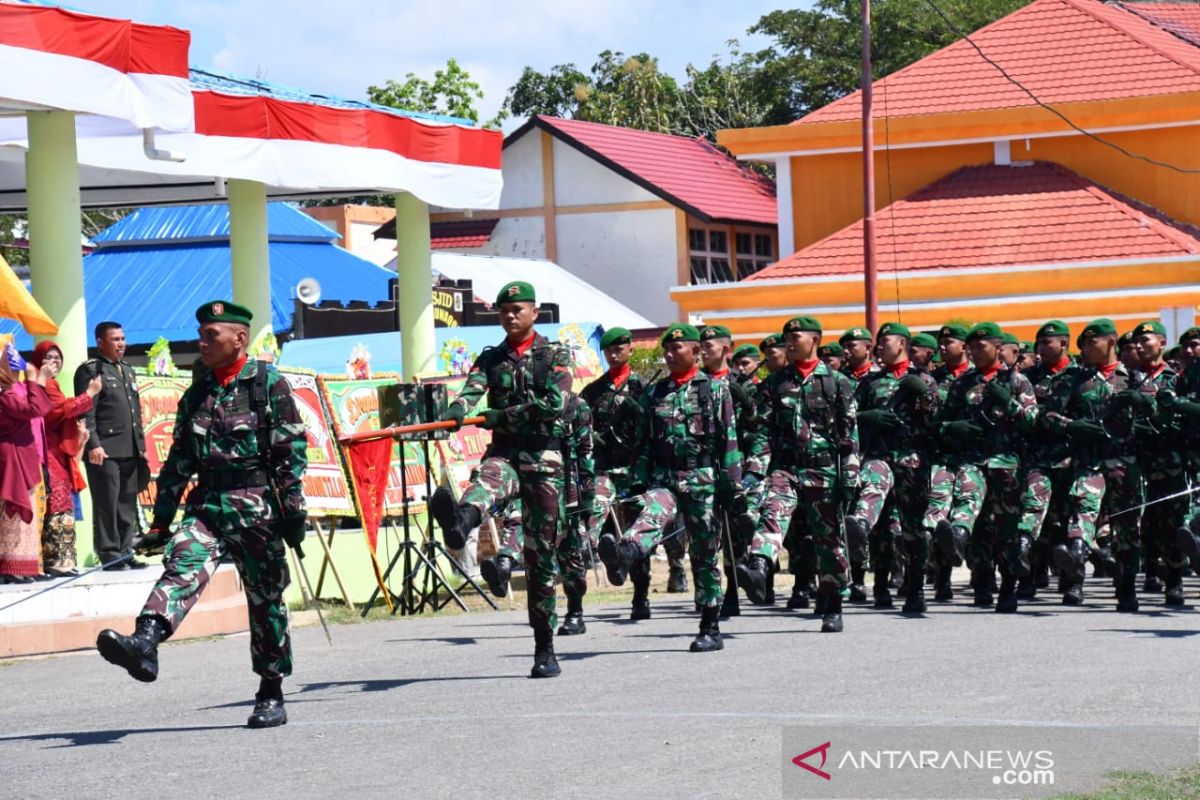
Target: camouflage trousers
[(569, 550), (191, 558), (537, 479), (989, 506), (692, 493), (606, 495), (1161, 520), (891, 504), (1113, 486), (1046, 502), (809, 492)]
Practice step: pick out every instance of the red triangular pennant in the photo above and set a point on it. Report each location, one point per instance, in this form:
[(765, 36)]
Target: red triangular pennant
[(370, 464)]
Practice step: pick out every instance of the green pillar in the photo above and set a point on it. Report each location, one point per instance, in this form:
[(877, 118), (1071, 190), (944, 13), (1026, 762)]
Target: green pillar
[(414, 272), (249, 250), (55, 255)]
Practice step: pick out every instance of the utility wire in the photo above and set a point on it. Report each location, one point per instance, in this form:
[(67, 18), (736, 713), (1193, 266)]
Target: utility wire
[(1107, 143)]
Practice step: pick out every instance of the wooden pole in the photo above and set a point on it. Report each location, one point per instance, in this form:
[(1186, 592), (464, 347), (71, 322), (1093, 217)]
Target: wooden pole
[(868, 134)]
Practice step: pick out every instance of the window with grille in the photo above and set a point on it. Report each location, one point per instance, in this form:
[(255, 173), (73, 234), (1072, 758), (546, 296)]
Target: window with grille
[(709, 254)]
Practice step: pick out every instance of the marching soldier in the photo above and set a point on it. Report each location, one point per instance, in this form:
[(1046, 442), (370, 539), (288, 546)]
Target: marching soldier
[(860, 353), (1029, 358), (527, 379), (832, 355), (1092, 409), (1186, 409), (688, 442), (896, 410), (1127, 352), (238, 433), (986, 411), (774, 350), (1010, 350), (745, 363), (809, 431), (921, 351)]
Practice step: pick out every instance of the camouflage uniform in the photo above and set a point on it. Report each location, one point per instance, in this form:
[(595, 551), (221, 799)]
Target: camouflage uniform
[(615, 413), (525, 455), (1163, 466), (808, 427), (233, 506), (941, 481), (688, 443)]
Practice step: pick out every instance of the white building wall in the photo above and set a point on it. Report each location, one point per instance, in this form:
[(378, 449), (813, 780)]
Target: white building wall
[(629, 255), (580, 180), (364, 244), (515, 237), (521, 168)]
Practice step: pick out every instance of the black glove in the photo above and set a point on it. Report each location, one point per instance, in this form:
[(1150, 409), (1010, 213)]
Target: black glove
[(998, 393), (492, 419), (1188, 408), (1086, 431), (456, 414), (293, 529), (154, 542), (1134, 399), (741, 398), (961, 430), (912, 385), (880, 419)]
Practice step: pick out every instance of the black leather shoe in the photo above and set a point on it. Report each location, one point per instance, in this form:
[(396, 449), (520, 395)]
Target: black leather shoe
[(545, 665), (133, 563), (573, 624), (1174, 590), (799, 598), (1027, 588), (456, 521), (943, 589), (1073, 594), (858, 592), (831, 621), (1127, 599), (914, 601), (116, 567), (640, 610), (753, 576), (615, 558), (730, 606), (137, 654), (268, 713), (951, 540), (1069, 559), (1006, 603), (496, 573), (882, 590), (677, 580), (709, 638)]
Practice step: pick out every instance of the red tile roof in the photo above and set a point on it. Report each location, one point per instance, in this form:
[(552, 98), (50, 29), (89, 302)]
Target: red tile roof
[(458, 234), (689, 173), (987, 216), (1064, 51), (1180, 19)]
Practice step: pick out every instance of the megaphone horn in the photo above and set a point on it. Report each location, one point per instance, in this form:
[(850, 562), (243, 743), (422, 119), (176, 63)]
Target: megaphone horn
[(308, 291)]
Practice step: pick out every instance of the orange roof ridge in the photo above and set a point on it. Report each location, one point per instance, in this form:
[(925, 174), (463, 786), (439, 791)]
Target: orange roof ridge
[(1110, 16)]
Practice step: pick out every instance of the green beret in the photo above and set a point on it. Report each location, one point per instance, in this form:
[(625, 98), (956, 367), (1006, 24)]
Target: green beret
[(1190, 333), (1124, 339), (714, 332), (1172, 352), (1055, 327), (680, 332), (1009, 338), (516, 292), (985, 330), (952, 330), (804, 324), (223, 311), (855, 335), (774, 340), (1149, 326), (615, 336), (1098, 327), (924, 340), (1027, 347), (831, 350), (747, 350), (894, 329)]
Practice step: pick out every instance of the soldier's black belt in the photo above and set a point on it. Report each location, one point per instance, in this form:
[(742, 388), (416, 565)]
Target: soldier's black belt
[(667, 458), (225, 480), (530, 442), (789, 462)]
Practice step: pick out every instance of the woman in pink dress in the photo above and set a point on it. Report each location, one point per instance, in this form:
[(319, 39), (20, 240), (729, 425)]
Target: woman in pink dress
[(65, 437), (23, 404)]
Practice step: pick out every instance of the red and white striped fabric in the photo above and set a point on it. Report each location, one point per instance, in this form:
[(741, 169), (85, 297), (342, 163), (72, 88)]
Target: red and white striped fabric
[(51, 58)]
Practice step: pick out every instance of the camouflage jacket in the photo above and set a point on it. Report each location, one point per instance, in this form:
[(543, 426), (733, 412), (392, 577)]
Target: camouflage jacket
[(878, 391), (1004, 427), (575, 430), (530, 388), (1158, 435), (217, 433), (808, 424), (943, 377), (1044, 447), (848, 371), (688, 429), (745, 419), (615, 413), (1088, 394), (1187, 387)]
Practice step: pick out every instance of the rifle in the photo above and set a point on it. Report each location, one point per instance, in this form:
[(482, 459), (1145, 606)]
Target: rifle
[(397, 431)]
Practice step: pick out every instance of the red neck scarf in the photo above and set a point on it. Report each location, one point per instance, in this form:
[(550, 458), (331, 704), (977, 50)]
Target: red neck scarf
[(1157, 370), (960, 369), (521, 348), (721, 373), (1060, 366), (991, 371), (681, 378), (618, 375), (899, 368), (858, 372), (805, 368), (225, 375), (1107, 370)]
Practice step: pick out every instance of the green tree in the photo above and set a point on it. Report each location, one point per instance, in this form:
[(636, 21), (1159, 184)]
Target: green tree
[(450, 93)]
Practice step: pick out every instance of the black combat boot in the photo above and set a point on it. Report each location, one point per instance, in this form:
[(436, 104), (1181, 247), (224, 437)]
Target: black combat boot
[(821, 603), (616, 557), (677, 580), (914, 598), (496, 573), (951, 541), (138, 653), (882, 589), (268, 705), (1104, 562), (545, 665), (1188, 542), (856, 540), (1006, 603), (456, 520), (1174, 590), (573, 622), (754, 576), (799, 598), (831, 620), (943, 590), (639, 575), (981, 582), (899, 581), (858, 592), (1027, 588), (730, 606), (1127, 599), (1153, 584), (709, 638), (1070, 558)]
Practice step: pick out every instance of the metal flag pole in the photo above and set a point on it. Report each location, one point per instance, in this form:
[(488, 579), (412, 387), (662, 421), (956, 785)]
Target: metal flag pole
[(84, 574)]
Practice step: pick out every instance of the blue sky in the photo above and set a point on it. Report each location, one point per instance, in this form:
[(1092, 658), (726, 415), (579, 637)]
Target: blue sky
[(341, 48)]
